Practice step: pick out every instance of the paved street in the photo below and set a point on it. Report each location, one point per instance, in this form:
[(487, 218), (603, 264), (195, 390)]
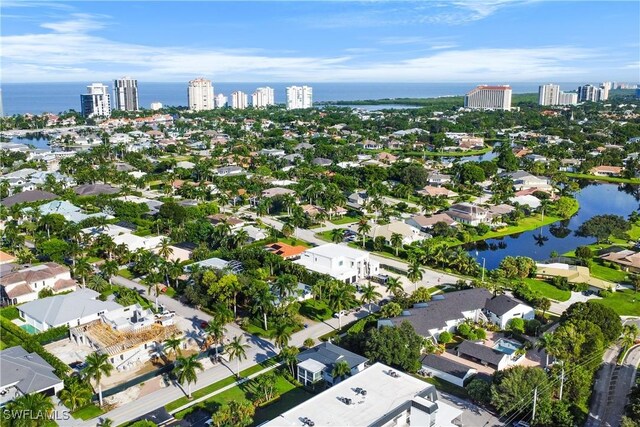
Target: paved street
[(601, 387), (626, 374)]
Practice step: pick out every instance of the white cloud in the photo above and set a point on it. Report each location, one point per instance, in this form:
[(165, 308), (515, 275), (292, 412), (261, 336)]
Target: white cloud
[(70, 52)]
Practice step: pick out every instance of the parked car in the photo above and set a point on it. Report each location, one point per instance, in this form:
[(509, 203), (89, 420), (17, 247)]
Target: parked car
[(340, 313)]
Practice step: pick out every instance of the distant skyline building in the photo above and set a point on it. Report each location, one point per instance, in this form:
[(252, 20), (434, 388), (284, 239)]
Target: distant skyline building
[(96, 102), (221, 100), (200, 95), (263, 97), (485, 97), (568, 98), (156, 106), (550, 94), (592, 93), (126, 94), (239, 100), (299, 97)]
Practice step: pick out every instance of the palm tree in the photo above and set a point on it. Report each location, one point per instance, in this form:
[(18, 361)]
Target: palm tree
[(282, 334), (337, 235), (286, 285), (369, 295), (289, 356), (75, 395), (363, 228), (34, 403), (97, 366), (172, 345), (629, 335), (152, 282), (547, 342), (215, 331), (394, 284), (396, 241), (165, 250), (82, 270), (237, 350), (415, 273), (185, 371), (340, 298), (106, 422), (264, 301), (340, 370), (109, 269)]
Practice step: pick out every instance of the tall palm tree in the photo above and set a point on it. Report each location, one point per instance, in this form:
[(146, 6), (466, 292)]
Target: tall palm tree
[(341, 297), (108, 270), (282, 334), (237, 350), (288, 356), (172, 345), (34, 403), (369, 295), (547, 342), (286, 285), (264, 301), (215, 331), (340, 370), (185, 371), (394, 285), (415, 273), (165, 250), (396, 241), (97, 366), (82, 270), (337, 235), (363, 228), (75, 395)]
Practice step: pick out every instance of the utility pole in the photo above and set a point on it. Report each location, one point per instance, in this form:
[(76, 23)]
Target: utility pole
[(535, 399), (561, 380)]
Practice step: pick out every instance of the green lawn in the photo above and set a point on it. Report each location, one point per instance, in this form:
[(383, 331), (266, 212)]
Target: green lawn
[(294, 242), (344, 220), (548, 290), (315, 310), (219, 384), (88, 412), (607, 273), (254, 329), (445, 386), (125, 273), (604, 178), (290, 396), (170, 292), (525, 224), (625, 303), (93, 259)]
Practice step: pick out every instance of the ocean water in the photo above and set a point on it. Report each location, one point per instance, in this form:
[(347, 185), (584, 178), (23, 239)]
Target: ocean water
[(36, 98)]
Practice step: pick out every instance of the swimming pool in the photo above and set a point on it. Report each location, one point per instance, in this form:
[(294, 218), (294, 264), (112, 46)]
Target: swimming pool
[(506, 346), (29, 329)]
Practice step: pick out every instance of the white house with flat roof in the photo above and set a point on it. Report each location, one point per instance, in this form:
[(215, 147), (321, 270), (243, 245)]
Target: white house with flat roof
[(340, 262), (377, 396)]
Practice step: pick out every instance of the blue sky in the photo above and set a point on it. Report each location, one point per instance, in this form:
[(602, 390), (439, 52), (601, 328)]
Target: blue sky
[(369, 41)]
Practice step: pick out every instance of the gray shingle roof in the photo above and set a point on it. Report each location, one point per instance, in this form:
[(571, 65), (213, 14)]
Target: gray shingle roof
[(443, 364), (60, 309), (27, 196), (501, 304), (438, 312), (329, 354), (30, 371), (480, 352), (92, 189)]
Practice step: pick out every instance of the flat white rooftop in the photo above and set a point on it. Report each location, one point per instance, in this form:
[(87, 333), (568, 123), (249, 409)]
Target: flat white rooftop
[(384, 395), (333, 250)]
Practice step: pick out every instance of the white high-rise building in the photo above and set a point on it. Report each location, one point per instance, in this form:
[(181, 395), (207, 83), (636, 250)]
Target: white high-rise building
[(156, 106), (96, 102), (568, 98), (486, 97), (604, 90), (239, 100), (299, 97), (548, 94), (263, 97), (221, 100), (125, 92), (200, 95), (592, 93)]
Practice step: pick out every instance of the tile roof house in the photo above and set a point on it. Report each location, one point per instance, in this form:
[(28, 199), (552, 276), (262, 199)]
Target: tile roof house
[(627, 259), (316, 363), (430, 190), (25, 373), (69, 211), (285, 251), (573, 274), (27, 196), (426, 223), (468, 213), (24, 285), (95, 189), (606, 170), (409, 234), (6, 258)]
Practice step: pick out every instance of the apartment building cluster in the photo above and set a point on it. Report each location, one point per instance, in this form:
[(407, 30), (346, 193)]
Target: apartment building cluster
[(550, 94), (97, 101)]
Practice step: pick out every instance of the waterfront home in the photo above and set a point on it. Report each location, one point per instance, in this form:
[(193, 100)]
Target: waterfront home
[(574, 274), (426, 223), (316, 363), (468, 213), (439, 179), (606, 170), (409, 234), (628, 260), (24, 285), (340, 262), (524, 180), (25, 373)]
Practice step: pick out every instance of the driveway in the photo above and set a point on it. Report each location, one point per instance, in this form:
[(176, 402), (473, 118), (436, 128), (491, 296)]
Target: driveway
[(472, 414)]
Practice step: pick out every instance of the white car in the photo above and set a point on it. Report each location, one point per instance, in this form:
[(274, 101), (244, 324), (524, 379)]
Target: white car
[(340, 313)]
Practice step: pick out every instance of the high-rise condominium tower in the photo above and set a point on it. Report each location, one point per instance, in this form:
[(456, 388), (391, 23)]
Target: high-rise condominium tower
[(126, 94), (96, 102), (262, 97), (593, 93), (549, 94), (299, 97), (239, 100), (485, 97), (200, 95)]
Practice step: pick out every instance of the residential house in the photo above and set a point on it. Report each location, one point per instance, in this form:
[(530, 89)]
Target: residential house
[(316, 364), (409, 234), (272, 152), (574, 274), (74, 309), (387, 158), (628, 260), (340, 262), (426, 223), (6, 258), (528, 200), (24, 285), (606, 170), (95, 189), (233, 222), (468, 213), (524, 180), (230, 171), (277, 191), (430, 190), (358, 199), (447, 369), (27, 197), (69, 211), (501, 309), (439, 179), (254, 233), (497, 212), (285, 251), (25, 373), (319, 161), (485, 355)]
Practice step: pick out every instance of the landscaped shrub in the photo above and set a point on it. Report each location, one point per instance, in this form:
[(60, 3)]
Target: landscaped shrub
[(605, 294), (53, 334), (479, 390), (445, 338), (532, 326)]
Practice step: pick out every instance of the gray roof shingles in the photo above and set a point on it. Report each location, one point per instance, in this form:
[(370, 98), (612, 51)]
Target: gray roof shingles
[(28, 371), (501, 304), (27, 196), (328, 354), (480, 352), (443, 364)]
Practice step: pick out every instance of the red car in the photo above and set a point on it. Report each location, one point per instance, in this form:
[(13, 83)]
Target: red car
[(204, 324)]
